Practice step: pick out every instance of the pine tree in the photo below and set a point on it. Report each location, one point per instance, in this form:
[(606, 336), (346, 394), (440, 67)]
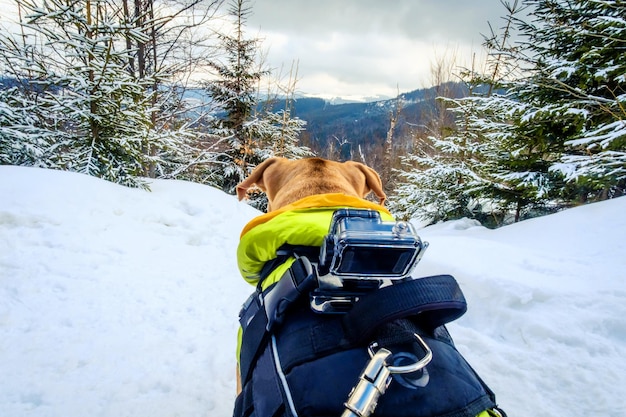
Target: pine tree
[(27, 127), (556, 148), (541, 138), (235, 92), (279, 133), (515, 158), (578, 91), (450, 174), (449, 180), (74, 79), (24, 140), (278, 130), (173, 49), (88, 92), (247, 133)]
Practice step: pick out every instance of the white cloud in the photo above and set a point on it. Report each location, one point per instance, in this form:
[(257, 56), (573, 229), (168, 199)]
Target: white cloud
[(346, 47), (369, 64)]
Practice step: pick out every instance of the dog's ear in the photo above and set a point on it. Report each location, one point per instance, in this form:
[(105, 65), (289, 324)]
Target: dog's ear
[(255, 177), (372, 182)]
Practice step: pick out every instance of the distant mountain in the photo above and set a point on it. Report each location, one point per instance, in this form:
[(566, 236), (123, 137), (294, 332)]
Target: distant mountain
[(342, 128)]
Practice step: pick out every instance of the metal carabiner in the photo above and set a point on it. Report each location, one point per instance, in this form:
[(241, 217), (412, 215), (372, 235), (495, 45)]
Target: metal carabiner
[(373, 383), (376, 377)]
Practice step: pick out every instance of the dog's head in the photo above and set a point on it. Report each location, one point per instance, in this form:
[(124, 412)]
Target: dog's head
[(286, 181)]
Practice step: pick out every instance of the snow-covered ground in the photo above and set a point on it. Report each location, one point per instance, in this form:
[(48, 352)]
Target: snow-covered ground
[(119, 302)]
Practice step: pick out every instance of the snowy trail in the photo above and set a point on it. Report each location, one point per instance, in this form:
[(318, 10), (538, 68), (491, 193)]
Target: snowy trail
[(119, 302)]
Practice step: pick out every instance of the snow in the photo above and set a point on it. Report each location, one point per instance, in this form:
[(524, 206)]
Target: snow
[(122, 302)]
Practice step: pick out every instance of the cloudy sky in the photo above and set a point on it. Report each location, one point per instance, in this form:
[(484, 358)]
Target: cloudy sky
[(365, 49), (369, 48)]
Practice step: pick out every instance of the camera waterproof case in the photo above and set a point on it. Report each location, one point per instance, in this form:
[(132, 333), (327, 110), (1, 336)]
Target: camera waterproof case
[(360, 245), (359, 254)]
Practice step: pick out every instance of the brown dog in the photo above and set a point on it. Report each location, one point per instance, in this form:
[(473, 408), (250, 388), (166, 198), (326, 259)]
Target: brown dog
[(286, 181)]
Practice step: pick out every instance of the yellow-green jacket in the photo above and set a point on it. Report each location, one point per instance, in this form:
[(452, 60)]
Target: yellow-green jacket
[(303, 223)]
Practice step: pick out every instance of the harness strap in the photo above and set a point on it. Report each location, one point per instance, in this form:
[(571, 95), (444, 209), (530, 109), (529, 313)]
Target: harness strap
[(254, 338), (298, 280), (263, 311), (436, 300), (283, 253), (244, 404), (433, 301)]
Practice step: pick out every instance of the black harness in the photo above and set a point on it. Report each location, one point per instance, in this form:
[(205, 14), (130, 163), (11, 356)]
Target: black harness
[(295, 362)]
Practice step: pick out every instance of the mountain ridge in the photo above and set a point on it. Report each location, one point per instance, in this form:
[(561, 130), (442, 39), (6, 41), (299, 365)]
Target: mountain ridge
[(339, 130)]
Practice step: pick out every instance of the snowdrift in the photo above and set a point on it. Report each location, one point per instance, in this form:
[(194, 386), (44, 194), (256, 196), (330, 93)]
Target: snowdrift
[(122, 302)]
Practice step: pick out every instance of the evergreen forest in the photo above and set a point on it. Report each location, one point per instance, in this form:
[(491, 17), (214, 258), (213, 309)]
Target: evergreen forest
[(129, 90)]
